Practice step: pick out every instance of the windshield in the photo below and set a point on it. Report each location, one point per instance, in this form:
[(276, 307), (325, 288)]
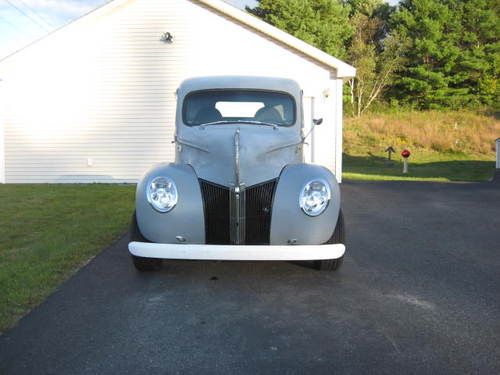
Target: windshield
[(252, 106)]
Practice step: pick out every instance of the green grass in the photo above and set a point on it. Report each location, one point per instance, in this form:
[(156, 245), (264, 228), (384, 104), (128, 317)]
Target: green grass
[(428, 166), (47, 232)]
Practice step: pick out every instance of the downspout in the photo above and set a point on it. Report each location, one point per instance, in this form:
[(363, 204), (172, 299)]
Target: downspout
[(338, 122), (2, 136), (313, 143)]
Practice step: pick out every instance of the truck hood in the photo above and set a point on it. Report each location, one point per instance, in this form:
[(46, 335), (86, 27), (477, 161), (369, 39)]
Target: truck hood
[(248, 154)]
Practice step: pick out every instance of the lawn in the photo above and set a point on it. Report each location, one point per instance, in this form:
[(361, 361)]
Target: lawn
[(445, 146), (424, 166), (47, 232)]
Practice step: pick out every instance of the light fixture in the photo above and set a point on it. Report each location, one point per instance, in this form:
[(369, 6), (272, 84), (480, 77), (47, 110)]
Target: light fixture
[(167, 37)]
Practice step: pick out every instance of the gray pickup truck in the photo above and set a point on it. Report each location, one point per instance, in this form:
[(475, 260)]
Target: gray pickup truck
[(239, 188)]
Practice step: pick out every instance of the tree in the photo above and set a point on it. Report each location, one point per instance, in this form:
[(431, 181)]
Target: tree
[(424, 53), (480, 60), (374, 52), (452, 55), (321, 23)]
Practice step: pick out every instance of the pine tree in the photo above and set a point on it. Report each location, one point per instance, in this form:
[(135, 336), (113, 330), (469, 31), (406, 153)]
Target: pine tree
[(479, 63), (452, 57), (322, 23)]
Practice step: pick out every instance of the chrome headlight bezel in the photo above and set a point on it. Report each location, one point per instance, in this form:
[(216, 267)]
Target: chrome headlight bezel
[(168, 190), (323, 196)]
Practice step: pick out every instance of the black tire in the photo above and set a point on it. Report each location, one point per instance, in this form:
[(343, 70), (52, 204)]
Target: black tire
[(140, 263), (338, 236)]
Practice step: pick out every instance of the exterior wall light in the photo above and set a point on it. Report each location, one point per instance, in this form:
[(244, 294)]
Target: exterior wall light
[(167, 37)]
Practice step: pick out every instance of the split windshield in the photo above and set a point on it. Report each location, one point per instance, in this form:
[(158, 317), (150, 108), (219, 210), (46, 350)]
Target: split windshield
[(245, 106)]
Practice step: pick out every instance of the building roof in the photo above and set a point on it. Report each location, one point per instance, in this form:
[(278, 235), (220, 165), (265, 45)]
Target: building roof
[(342, 69)]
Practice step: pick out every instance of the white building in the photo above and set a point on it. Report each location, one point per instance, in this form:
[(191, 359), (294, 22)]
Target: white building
[(95, 100)]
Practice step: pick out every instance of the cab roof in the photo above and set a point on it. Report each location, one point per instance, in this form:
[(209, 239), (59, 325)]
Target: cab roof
[(239, 82)]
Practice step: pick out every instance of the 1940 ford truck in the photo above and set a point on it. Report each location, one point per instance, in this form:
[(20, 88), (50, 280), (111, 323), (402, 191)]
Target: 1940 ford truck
[(239, 188)]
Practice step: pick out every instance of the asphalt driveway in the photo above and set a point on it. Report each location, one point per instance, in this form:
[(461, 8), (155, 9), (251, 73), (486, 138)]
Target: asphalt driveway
[(419, 292)]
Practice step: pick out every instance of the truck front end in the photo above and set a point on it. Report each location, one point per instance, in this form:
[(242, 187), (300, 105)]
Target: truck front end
[(238, 189)]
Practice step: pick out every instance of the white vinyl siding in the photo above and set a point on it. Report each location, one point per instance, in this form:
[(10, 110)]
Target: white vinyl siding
[(95, 102)]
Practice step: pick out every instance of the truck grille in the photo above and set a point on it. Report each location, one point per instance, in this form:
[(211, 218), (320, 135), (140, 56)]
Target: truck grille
[(258, 207), (216, 206), (258, 210)]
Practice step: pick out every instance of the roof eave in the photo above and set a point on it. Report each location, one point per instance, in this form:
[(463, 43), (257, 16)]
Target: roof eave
[(342, 69)]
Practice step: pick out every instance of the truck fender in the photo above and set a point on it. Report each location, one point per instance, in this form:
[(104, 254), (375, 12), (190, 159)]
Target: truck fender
[(289, 224), (185, 222)]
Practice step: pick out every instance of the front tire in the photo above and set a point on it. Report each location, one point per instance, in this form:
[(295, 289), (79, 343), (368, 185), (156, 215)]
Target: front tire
[(142, 264), (338, 236)]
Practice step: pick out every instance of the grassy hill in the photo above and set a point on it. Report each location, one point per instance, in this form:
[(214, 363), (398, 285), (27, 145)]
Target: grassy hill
[(445, 146)]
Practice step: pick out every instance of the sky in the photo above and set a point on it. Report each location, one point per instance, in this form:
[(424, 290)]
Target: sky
[(23, 21)]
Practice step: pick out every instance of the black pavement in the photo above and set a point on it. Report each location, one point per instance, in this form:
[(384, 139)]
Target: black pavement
[(419, 292), (496, 177)]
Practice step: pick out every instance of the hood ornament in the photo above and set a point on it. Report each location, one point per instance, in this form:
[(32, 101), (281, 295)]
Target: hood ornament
[(237, 157)]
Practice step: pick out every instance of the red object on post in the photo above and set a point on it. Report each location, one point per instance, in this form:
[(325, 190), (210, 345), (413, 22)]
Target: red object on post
[(405, 153)]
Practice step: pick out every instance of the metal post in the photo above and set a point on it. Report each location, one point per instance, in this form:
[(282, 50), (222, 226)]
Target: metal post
[(498, 153), (405, 165)]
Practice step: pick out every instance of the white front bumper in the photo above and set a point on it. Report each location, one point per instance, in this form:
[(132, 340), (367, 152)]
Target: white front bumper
[(236, 252)]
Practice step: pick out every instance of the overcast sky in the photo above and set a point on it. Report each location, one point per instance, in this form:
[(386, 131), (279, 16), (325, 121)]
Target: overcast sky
[(23, 21)]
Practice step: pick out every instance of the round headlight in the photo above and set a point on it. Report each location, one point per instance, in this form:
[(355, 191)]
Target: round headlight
[(314, 197), (162, 194)]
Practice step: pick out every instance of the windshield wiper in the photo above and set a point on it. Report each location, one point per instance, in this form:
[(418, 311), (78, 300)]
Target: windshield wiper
[(258, 123), (275, 126), (214, 123)]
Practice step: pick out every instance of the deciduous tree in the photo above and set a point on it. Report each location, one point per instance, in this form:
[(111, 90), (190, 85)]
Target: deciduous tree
[(375, 53)]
